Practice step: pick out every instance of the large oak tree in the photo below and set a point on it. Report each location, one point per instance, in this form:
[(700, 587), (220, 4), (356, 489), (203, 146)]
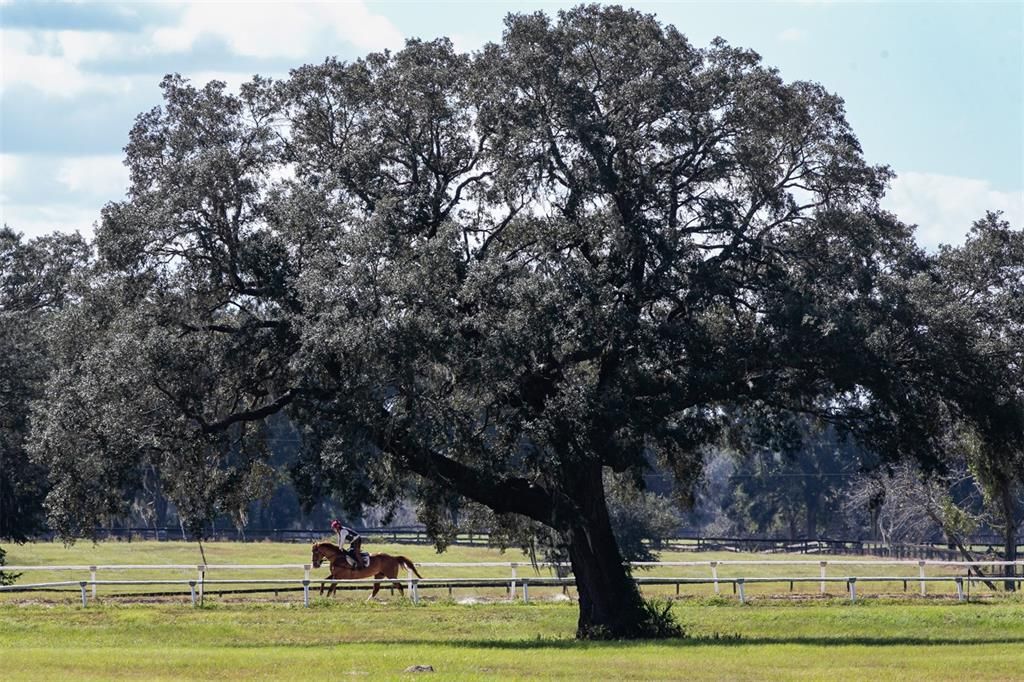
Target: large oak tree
[(488, 277)]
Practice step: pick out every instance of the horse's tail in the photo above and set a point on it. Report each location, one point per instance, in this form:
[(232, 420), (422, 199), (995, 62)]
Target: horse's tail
[(404, 562)]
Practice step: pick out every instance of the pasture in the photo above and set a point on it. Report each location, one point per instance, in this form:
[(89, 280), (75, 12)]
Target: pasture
[(343, 640), (775, 635)]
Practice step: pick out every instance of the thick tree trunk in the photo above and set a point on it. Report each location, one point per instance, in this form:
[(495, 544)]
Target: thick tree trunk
[(610, 603)]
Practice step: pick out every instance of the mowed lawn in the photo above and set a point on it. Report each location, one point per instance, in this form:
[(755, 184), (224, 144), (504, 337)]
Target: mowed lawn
[(344, 640), (47, 636)]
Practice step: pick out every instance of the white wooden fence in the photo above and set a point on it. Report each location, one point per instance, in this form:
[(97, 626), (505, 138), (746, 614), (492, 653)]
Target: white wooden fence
[(514, 582)]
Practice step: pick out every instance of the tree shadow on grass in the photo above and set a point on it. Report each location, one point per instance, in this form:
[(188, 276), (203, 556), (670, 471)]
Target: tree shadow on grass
[(727, 640)]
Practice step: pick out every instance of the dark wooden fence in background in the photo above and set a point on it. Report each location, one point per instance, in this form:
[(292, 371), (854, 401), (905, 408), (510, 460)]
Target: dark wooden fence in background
[(694, 542)]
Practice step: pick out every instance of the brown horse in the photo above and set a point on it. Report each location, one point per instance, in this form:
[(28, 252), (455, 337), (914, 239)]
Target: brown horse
[(381, 566)]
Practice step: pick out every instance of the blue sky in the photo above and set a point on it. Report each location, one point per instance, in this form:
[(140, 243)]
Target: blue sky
[(932, 89)]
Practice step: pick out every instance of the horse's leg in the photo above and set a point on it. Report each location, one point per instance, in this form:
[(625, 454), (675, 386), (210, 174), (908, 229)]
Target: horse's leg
[(376, 587), (393, 574)]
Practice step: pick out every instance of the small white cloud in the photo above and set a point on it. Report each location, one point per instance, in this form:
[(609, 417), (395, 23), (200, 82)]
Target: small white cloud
[(34, 220), (466, 42), (24, 63), (944, 207), (8, 172), (99, 176), (278, 29), (50, 61), (791, 35), (42, 194)]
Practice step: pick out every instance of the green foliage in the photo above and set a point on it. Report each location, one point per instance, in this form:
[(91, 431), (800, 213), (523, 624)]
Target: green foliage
[(792, 482), (660, 621), (641, 520), (976, 302), (6, 578), (956, 520), (37, 279)]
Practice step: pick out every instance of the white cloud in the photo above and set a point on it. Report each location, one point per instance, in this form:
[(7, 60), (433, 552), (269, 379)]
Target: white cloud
[(277, 29), (466, 42), (24, 60), (8, 172), (34, 220), (51, 61), (944, 207), (101, 176), (39, 195), (791, 35)]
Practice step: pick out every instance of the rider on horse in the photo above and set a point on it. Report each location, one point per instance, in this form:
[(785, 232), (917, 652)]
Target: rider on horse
[(348, 535)]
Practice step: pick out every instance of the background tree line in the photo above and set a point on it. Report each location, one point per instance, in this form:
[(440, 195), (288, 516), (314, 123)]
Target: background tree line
[(506, 287)]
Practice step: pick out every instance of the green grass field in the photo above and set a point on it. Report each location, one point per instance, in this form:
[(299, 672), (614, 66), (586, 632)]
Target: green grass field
[(341, 640), (43, 636)]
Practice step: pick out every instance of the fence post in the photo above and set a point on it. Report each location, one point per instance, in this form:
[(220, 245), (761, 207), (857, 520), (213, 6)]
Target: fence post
[(305, 591), (408, 575), (714, 574), (959, 588), (920, 570), (306, 568), (512, 585), (822, 564), (84, 602), (192, 590), (92, 577), (202, 579), (415, 591), (526, 590), (852, 582), (739, 584)]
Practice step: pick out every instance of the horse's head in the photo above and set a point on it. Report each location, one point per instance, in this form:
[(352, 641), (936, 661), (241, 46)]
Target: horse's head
[(318, 557)]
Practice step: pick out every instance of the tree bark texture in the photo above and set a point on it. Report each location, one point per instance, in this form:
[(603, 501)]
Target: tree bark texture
[(610, 603)]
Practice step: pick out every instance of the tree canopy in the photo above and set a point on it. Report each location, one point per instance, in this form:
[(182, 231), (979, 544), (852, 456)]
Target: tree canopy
[(37, 278)]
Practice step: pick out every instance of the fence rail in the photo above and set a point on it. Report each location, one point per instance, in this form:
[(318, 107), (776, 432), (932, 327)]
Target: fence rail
[(514, 579), (685, 540), (416, 584)]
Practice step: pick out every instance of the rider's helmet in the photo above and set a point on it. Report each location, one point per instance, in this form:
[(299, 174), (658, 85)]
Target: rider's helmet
[(336, 525)]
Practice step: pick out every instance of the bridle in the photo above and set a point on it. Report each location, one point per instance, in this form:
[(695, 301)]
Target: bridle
[(318, 557)]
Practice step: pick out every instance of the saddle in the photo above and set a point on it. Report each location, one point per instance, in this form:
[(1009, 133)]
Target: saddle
[(364, 557)]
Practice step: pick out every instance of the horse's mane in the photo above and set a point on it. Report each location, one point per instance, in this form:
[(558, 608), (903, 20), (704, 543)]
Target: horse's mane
[(331, 545)]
